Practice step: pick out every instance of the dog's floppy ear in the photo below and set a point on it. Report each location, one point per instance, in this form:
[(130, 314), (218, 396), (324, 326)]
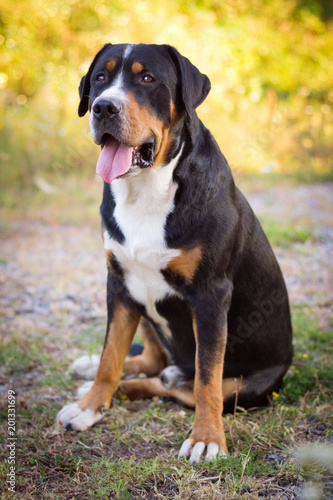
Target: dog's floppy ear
[(84, 88), (194, 85)]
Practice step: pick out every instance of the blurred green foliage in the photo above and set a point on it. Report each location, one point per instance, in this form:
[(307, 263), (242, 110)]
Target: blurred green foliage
[(270, 63)]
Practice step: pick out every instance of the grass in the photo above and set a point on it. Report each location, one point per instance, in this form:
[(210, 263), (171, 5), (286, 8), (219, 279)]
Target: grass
[(279, 233), (133, 452)]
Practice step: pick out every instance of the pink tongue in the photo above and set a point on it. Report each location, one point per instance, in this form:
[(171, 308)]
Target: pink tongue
[(115, 160)]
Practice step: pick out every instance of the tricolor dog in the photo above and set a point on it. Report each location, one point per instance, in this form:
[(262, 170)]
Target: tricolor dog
[(188, 262)]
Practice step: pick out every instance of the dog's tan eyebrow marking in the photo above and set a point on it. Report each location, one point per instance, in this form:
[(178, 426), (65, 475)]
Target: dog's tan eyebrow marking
[(137, 67), (110, 64)]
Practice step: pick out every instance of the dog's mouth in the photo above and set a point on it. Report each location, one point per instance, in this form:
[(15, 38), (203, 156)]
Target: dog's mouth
[(116, 159)]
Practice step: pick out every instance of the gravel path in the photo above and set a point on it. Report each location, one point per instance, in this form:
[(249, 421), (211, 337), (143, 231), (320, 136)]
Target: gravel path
[(307, 267), (51, 274)]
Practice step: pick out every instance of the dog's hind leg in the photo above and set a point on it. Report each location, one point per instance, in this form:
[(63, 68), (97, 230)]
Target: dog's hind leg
[(252, 390), (150, 387), (153, 358)]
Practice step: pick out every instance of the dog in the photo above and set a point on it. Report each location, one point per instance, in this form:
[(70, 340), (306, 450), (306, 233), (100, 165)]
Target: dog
[(188, 262)]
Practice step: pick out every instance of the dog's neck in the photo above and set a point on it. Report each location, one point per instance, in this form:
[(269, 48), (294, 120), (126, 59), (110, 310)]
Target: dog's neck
[(152, 190)]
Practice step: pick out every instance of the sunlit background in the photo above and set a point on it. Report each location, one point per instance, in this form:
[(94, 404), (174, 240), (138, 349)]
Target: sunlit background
[(270, 63)]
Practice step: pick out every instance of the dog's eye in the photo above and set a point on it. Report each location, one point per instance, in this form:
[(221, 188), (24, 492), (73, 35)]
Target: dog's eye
[(147, 79), (100, 77)]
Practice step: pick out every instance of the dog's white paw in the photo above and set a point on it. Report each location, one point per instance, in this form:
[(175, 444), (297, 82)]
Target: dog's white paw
[(196, 451), (172, 376), (86, 366), (71, 417), (84, 389)]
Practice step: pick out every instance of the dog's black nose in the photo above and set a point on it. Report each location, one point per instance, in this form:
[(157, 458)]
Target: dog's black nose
[(105, 109)]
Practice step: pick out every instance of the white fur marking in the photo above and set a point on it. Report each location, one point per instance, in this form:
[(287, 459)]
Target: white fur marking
[(80, 420), (185, 450), (172, 376), (197, 452), (84, 389), (67, 413), (115, 91), (128, 50), (142, 206), (86, 366), (213, 451)]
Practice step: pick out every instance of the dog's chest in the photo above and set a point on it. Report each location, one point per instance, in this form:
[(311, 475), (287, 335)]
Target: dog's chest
[(142, 206)]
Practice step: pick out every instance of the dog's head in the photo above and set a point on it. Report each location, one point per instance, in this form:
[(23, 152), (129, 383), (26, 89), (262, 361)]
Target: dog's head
[(140, 98)]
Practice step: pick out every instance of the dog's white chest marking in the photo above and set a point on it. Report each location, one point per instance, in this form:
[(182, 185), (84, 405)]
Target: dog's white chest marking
[(143, 203)]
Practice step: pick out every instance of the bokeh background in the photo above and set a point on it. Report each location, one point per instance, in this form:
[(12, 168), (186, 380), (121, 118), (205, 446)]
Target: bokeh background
[(270, 63)]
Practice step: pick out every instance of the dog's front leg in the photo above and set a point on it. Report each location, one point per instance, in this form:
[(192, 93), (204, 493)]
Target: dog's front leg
[(210, 330), (123, 322)]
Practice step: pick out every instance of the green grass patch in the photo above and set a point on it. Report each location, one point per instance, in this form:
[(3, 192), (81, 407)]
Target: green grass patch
[(90, 339), (281, 234), (312, 368), (19, 353)]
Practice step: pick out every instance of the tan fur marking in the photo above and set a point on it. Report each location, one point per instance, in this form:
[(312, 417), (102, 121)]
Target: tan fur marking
[(110, 64), (173, 112), (208, 423), (153, 358), (150, 387), (142, 125), (109, 255), (120, 336), (109, 260), (137, 67), (231, 388), (187, 262), (164, 148)]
